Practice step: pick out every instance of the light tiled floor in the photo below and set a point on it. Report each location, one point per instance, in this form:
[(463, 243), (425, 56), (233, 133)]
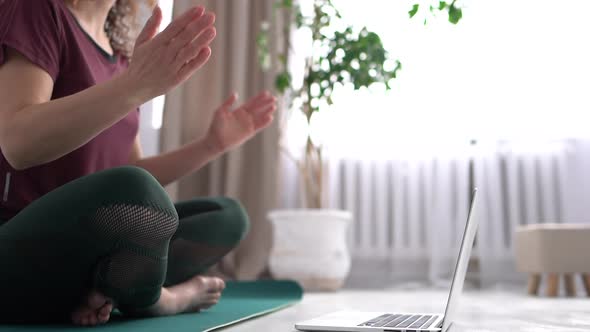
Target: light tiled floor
[(482, 311)]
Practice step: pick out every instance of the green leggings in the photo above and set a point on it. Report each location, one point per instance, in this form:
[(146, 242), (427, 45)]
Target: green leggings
[(115, 231)]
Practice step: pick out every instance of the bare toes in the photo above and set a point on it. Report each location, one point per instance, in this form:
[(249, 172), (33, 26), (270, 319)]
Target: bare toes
[(211, 300), (95, 309), (106, 309), (96, 300), (215, 285), (104, 314), (195, 294), (103, 319)]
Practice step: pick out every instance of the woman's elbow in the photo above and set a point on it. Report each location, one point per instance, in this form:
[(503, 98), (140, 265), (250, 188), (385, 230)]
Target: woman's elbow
[(15, 161), (15, 155)]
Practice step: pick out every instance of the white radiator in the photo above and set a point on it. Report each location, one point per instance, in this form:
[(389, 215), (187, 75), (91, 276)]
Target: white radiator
[(415, 210), (519, 188)]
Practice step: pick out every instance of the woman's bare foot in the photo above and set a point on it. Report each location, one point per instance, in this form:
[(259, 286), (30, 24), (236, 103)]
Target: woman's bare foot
[(192, 295), (96, 310)]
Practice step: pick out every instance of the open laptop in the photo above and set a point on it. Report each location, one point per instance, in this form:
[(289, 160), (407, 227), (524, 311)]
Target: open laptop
[(405, 322)]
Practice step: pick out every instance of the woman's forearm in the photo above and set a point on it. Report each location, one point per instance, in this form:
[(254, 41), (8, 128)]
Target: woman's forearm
[(171, 166), (41, 133)]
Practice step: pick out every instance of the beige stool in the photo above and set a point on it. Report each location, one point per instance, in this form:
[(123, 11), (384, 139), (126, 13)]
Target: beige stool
[(552, 251)]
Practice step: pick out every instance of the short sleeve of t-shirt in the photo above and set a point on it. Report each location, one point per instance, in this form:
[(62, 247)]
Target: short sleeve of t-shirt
[(32, 28)]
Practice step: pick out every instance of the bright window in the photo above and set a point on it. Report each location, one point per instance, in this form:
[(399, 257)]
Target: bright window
[(510, 70), (158, 102)]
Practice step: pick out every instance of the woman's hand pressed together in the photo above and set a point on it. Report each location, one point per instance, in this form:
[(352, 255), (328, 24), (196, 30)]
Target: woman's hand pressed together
[(162, 61)]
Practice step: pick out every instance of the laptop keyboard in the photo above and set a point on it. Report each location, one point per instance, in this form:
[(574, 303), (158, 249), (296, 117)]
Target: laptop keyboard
[(401, 321)]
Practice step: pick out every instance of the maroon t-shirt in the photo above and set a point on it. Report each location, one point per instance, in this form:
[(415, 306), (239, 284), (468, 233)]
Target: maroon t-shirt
[(47, 34)]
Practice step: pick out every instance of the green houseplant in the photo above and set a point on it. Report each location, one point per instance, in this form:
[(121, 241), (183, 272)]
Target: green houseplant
[(349, 56), (315, 238)]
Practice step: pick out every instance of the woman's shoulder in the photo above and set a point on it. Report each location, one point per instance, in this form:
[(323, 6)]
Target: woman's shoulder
[(35, 29), (33, 3), (40, 11), (34, 11), (33, 6)]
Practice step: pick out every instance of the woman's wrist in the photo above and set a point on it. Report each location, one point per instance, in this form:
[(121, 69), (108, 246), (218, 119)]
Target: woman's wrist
[(199, 152), (212, 146), (133, 93)]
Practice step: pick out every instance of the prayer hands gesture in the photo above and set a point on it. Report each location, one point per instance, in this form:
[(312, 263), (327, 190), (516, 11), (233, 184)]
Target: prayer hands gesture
[(163, 60)]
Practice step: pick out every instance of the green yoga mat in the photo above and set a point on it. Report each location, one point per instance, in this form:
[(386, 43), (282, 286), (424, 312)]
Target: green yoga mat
[(240, 301)]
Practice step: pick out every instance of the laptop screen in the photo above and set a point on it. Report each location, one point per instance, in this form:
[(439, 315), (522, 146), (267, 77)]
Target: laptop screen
[(462, 263)]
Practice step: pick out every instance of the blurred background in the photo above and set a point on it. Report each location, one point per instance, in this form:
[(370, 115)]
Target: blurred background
[(496, 100)]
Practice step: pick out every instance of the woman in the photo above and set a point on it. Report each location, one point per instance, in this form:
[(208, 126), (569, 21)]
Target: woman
[(85, 223)]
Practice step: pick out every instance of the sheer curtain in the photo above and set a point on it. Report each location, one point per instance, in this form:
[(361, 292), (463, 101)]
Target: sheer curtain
[(498, 101)]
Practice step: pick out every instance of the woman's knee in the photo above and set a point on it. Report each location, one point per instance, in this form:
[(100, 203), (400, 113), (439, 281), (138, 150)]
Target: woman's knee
[(133, 185), (235, 221), (134, 205)]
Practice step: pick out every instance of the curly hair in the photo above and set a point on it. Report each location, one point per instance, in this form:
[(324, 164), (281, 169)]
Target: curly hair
[(122, 25)]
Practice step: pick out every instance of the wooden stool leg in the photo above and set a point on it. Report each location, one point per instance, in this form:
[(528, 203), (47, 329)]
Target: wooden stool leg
[(570, 286), (552, 284), (534, 282), (586, 282)]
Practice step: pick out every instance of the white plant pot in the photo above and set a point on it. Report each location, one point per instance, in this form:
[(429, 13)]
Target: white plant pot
[(309, 246)]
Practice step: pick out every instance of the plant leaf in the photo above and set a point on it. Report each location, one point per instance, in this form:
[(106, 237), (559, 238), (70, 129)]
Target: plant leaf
[(414, 10), (299, 19), (283, 82), (455, 14), (283, 4)]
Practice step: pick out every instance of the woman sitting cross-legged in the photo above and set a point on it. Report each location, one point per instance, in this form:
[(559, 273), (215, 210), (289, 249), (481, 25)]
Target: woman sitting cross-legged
[(85, 225)]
